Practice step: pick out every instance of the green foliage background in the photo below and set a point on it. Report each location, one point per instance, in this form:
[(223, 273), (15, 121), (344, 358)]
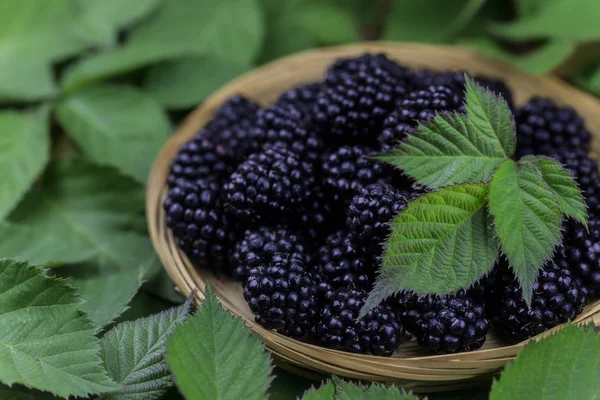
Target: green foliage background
[(91, 89)]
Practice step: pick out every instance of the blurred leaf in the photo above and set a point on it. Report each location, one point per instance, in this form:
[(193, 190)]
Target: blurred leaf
[(110, 64), (116, 125), (161, 285), (327, 22), (86, 207), (589, 79), (24, 152), (287, 386), (430, 21), (544, 59), (228, 29), (186, 83), (101, 20), (34, 33), (214, 356), (563, 366), (285, 34), (18, 392), (527, 8), (562, 19)]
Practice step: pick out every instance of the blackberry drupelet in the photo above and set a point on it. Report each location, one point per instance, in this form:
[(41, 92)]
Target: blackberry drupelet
[(343, 262), (558, 296), (348, 169), (302, 97), (236, 109), (269, 185), (284, 124), (444, 324), (422, 105), (283, 295), (258, 246), (379, 333), (369, 213), (394, 131), (543, 127), (581, 251), (196, 218), (200, 158)]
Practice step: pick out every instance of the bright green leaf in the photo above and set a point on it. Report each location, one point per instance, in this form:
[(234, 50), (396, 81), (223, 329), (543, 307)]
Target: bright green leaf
[(183, 84), (214, 356), (442, 242), (24, 152), (376, 391), (562, 19), (455, 148), (116, 125), (133, 354), (46, 342), (84, 206), (567, 192), (325, 392), (527, 220), (563, 366), (227, 29), (327, 22)]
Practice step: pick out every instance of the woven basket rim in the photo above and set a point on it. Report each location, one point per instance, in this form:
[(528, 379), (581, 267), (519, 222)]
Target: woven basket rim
[(426, 372)]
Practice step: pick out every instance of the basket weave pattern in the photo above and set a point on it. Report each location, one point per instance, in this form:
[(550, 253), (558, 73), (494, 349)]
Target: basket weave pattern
[(410, 366)]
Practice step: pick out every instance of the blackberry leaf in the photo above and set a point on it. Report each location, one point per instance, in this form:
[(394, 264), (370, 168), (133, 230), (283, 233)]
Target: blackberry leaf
[(348, 391), (325, 392), (563, 366), (527, 220), (567, 192), (456, 148), (441, 243)]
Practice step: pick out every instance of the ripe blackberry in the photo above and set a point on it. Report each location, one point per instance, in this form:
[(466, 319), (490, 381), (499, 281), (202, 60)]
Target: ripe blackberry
[(196, 218), (284, 124), (344, 263), (283, 295), (200, 158), (581, 251), (268, 185), (236, 109), (444, 324), (345, 68), (302, 97), (348, 169), (558, 296), (258, 246), (422, 105), (379, 333), (318, 216), (394, 131), (369, 213), (543, 127)]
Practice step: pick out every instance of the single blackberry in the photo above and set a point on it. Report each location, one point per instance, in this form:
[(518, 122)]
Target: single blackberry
[(444, 324), (373, 64), (558, 296), (581, 251), (196, 218), (543, 127), (302, 97), (200, 158), (422, 105), (369, 213), (378, 333), (258, 246), (236, 109), (237, 141), (268, 185), (344, 263), (284, 124), (283, 295), (348, 169), (394, 131)]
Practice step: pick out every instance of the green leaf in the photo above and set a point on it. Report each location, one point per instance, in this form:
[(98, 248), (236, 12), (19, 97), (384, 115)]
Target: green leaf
[(350, 391), (133, 354), (567, 192), (416, 20), (527, 8), (227, 29), (287, 386), (214, 356), (562, 19), (183, 84), (24, 152), (116, 125), (454, 148), (325, 392), (17, 392), (588, 78), (84, 206), (441, 242), (327, 22), (32, 35), (102, 20), (527, 220), (563, 366), (46, 342)]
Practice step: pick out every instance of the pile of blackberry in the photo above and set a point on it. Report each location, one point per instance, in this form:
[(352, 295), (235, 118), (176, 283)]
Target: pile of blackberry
[(287, 200)]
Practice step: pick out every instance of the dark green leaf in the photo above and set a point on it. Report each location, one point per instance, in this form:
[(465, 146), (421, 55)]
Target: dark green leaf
[(325, 392)]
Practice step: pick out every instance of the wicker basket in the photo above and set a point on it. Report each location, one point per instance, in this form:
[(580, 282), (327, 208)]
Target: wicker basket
[(410, 366)]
